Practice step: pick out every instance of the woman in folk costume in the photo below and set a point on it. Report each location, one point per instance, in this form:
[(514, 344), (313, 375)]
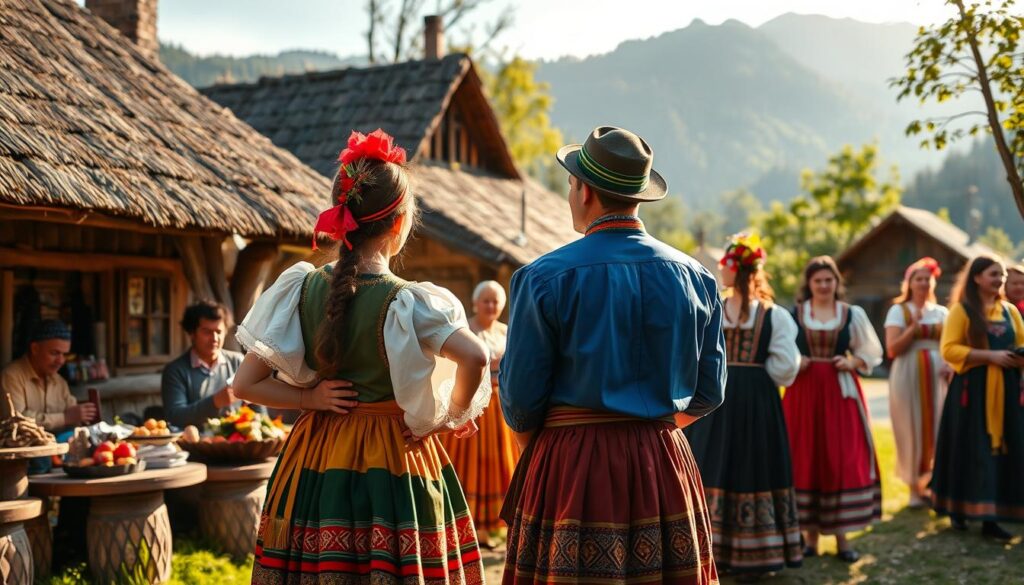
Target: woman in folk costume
[(979, 454), (835, 470), (742, 448), (485, 461), (917, 380), (363, 491)]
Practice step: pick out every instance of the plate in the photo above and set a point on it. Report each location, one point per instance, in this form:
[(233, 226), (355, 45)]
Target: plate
[(95, 471), (155, 441)]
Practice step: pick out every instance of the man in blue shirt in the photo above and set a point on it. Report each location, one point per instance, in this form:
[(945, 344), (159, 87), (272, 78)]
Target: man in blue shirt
[(614, 343)]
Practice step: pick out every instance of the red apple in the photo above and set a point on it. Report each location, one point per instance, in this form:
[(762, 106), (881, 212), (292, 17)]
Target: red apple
[(104, 447), (124, 449), (104, 458)]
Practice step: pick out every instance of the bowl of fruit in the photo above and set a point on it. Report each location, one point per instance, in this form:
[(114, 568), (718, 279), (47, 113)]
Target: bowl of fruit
[(108, 459), (153, 432), (244, 436)]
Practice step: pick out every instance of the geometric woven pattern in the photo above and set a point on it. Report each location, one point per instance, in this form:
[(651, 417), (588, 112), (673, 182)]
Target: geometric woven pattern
[(229, 514), (129, 535), (15, 556), (41, 539)]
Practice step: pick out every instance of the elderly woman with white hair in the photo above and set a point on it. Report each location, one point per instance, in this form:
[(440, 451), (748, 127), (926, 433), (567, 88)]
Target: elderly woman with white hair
[(485, 461)]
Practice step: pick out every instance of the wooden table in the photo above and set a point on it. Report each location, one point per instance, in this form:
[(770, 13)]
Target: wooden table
[(128, 529), (21, 516), (230, 507)]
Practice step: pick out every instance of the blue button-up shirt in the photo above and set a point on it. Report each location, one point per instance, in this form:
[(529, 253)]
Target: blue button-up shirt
[(616, 321)]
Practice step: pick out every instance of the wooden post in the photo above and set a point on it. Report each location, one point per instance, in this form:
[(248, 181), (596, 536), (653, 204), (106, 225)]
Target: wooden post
[(193, 260), (215, 271), (254, 263), (6, 316)]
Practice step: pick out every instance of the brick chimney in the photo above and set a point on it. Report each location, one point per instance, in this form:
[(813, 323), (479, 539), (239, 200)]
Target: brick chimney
[(135, 19), (433, 37)]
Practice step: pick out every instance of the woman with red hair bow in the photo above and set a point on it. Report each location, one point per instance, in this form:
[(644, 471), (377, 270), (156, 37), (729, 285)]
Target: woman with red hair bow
[(918, 378), (363, 491)]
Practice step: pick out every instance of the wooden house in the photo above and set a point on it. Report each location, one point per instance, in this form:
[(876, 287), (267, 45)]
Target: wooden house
[(119, 186), (873, 265), (481, 217)]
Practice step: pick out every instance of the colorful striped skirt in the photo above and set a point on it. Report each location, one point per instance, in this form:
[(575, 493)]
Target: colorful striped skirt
[(603, 498), (349, 503), (485, 463), (743, 453), (835, 471)]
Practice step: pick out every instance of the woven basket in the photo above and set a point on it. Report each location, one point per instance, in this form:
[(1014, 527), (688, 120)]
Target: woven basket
[(247, 452)]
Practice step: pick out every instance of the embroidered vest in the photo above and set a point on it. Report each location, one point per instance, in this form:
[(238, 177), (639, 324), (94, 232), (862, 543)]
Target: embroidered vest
[(823, 343), (364, 361)]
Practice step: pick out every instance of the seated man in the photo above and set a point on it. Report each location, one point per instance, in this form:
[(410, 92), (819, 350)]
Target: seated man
[(39, 392), (197, 385)]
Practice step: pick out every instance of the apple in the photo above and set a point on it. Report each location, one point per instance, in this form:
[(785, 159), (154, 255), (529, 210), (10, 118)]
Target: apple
[(104, 458), (104, 447), (123, 450)]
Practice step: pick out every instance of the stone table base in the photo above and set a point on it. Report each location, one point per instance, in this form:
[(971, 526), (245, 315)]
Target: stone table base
[(229, 514), (15, 551), (40, 537)]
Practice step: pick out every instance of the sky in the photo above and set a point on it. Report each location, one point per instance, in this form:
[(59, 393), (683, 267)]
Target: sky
[(543, 29)]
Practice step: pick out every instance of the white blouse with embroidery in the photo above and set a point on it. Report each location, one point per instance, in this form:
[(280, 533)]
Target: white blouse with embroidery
[(418, 322), (783, 363)]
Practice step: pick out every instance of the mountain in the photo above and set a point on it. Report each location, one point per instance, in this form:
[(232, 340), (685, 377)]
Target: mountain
[(204, 71), (721, 105)]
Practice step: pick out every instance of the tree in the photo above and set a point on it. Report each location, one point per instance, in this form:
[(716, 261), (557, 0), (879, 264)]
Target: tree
[(665, 221), (399, 29), (977, 50), (838, 204), (522, 105)]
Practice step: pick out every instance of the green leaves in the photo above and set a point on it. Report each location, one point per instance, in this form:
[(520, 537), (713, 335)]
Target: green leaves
[(978, 50), (839, 203)]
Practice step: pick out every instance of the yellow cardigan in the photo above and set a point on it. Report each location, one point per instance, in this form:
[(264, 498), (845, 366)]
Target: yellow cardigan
[(955, 347)]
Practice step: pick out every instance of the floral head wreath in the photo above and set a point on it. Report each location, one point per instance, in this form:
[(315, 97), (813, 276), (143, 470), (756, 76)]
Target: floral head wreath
[(927, 263), (338, 221), (744, 250)]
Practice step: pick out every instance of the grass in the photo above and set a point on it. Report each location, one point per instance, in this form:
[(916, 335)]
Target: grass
[(908, 547), (194, 563)]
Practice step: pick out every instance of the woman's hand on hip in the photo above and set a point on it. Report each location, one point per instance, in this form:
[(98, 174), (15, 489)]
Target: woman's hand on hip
[(330, 395)]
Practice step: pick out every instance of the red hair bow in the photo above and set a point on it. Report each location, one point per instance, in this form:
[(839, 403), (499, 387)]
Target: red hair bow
[(927, 263), (338, 221), (378, 145)]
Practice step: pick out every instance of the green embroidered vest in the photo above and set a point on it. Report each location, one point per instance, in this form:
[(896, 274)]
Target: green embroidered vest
[(364, 361)]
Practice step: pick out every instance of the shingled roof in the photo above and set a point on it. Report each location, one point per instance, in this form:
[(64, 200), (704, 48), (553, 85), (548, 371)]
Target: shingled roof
[(477, 211), (926, 222), (88, 122)]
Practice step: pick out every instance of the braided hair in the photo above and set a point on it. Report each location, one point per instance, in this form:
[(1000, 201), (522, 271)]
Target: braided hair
[(382, 184)]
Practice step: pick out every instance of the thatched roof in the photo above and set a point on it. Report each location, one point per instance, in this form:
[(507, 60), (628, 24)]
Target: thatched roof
[(477, 211), (927, 223), (88, 122)]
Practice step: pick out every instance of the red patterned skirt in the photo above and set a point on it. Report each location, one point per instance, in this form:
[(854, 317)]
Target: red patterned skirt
[(603, 498), (835, 471)]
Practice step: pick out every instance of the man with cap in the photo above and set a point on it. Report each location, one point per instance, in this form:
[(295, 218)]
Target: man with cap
[(38, 391), (614, 343), (35, 387)]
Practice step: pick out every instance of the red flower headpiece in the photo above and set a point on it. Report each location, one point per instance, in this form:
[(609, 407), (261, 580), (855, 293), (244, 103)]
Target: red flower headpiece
[(338, 221), (927, 263), (744, 250)]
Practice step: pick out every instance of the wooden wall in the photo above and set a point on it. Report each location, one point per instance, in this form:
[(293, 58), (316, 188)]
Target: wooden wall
[(426, 259), (875, 272)]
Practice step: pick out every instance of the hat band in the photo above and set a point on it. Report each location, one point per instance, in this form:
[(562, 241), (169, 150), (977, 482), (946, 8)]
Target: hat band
[(605, 178)]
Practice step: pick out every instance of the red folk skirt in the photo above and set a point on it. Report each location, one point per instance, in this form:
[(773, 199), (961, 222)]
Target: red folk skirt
[(835, 470), (604, 498)]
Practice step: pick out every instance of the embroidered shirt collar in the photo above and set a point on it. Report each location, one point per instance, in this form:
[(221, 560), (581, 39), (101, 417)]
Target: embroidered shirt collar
[(614, 222)]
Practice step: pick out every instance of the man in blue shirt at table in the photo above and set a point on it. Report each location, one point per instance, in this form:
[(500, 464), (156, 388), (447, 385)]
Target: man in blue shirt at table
[(614, 343)]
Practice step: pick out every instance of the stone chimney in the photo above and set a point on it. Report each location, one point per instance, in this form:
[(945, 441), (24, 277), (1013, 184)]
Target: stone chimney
[(433, 37), (135, 19)]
